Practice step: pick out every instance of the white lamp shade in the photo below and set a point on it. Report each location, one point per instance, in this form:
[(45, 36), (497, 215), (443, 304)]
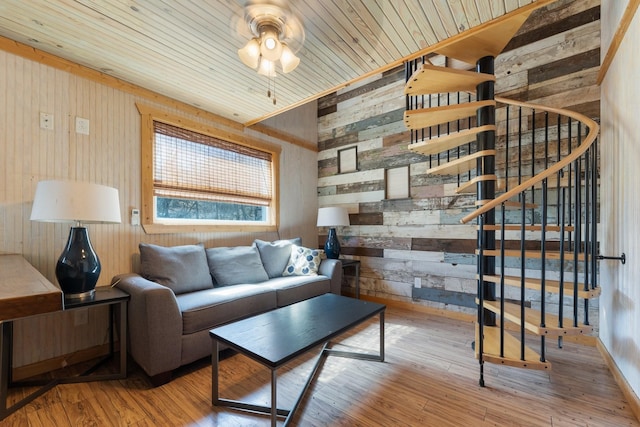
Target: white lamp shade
[(288, 60), (250, 53), (333, 217), (73, 202)]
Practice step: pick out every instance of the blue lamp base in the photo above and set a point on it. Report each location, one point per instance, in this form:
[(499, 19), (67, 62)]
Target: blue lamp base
[(332, 246), (78, 267)]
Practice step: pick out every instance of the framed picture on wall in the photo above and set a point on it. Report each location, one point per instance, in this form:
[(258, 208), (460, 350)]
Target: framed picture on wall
[(348, 160), (397, 183)]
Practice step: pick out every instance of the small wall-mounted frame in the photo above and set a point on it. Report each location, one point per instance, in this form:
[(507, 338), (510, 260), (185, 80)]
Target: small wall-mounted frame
[(397, 183), (348, 160)]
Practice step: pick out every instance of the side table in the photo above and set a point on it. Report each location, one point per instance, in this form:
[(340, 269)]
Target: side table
[(348, 263), (115, 299)]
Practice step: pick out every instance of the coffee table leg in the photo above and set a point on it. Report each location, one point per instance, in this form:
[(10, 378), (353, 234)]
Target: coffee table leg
[(214, 372), (274, 406), (382, 336)]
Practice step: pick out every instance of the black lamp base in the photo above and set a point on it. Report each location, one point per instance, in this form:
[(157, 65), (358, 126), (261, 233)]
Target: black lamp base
[(332, 246), (78, 267)]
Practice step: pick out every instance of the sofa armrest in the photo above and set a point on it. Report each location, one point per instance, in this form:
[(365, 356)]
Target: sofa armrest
[(155, 324), (332, 268)]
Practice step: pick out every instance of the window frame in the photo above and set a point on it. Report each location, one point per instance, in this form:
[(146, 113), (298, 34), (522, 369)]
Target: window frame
[(150, 224)]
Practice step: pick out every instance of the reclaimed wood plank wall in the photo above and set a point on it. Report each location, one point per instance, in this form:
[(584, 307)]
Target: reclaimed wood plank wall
[(553, 60)]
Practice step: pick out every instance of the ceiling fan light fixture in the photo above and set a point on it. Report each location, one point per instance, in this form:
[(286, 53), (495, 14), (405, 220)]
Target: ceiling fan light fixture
[(277, 35), (288, 60), (250, 53), (267, 68), (270, 46)]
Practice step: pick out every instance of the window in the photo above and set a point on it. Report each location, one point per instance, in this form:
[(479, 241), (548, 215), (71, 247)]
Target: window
[(198, 179)]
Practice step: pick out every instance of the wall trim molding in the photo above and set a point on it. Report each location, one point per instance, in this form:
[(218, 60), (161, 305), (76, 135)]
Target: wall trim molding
[(625, 21), (45, 366), (625, 387)]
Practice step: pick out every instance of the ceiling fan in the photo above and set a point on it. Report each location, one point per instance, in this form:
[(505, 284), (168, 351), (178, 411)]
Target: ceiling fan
[(275, 35)]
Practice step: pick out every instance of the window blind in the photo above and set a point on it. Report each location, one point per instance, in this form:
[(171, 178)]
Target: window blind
[(191, 165)]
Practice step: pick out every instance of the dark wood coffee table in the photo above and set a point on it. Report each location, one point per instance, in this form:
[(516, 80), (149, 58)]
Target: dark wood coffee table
[(279, 336)]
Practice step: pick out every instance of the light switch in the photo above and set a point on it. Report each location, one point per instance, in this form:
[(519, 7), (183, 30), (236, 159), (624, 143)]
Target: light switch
[(82, 126)]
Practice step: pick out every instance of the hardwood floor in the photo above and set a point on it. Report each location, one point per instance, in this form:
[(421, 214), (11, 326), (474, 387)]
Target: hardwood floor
[(429, 378)]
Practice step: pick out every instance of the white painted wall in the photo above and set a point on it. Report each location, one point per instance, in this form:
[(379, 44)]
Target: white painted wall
[(620, 156), (109, 155)]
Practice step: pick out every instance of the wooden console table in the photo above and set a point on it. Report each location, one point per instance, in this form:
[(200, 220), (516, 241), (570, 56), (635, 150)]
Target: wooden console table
[(24, 291)]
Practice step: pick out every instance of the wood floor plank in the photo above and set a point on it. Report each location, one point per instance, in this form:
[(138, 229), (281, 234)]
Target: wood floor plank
[(429, 378)]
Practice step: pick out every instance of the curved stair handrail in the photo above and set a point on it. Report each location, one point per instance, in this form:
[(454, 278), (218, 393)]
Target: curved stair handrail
[(586, 143)]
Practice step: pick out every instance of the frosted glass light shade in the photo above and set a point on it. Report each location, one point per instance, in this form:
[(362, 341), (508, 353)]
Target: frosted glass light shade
[(267, 68), (332, 217), (75, 202), (270, 48), (250, 53), (288, 60)]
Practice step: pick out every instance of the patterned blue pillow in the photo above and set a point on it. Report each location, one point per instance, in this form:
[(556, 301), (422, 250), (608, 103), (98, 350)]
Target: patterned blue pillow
[(303, 262)]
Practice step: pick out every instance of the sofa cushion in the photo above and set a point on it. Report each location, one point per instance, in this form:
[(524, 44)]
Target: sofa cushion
[(292, 289), (206, 309), (303, 262), (275, 255), (235, 265), (180, 268)]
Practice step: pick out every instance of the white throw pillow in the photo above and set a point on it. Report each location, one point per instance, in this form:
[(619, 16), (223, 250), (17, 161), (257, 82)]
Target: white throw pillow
[(303, 262)]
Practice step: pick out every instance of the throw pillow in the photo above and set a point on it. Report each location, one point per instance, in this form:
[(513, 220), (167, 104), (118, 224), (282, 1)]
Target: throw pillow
[(303, 262), (236, 265), (275, 255), (180, 268)]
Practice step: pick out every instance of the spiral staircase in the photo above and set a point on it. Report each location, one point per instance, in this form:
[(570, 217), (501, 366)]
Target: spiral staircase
[(534, 172)]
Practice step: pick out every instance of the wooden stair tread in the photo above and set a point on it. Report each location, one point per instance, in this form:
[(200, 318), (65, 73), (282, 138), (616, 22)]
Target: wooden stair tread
[(532, 320), (555, 255), (511, 355), (447, 142), (518, 227), (470, 187), (430, 79), (508, 204), (550, 285), (461, 165), (552, 182), (427, 117), (489, 40)]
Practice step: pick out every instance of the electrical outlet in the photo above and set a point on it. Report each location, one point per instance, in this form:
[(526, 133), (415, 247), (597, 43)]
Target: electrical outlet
[(82, 126), (417, 283), (46, 121)]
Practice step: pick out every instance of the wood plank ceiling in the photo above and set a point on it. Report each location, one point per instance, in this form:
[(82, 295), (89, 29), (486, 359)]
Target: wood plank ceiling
[(187, 50)]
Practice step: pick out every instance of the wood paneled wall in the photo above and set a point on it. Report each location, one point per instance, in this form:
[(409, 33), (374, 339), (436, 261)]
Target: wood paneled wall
[(109, 155), (553, 60), (620, 301)]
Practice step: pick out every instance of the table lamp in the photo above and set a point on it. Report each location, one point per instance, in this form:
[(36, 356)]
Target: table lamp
[(332, 217), (78, 203)]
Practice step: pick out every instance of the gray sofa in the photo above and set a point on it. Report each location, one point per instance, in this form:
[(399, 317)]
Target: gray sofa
[(182, 292)]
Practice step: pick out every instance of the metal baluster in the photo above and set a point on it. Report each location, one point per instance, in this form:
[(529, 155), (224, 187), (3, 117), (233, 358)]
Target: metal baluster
[(594, 215), (480, 344), (533, 163), (543, 267), (587, 223), (506, 154), (577, 238), (559, 174), (562, 235), (502, 257), (522, 274)]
